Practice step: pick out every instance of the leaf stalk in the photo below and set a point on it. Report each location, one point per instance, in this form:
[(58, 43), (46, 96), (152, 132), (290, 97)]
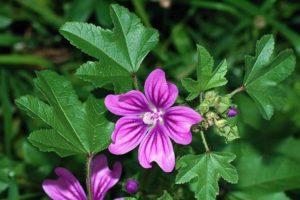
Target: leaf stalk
[(135, 81), (237, 90), (204, 142), (88, 176)]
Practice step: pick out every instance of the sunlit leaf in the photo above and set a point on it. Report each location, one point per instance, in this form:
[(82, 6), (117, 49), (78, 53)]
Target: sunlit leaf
[(204, 172), (264, 73), (207, 77), (125, 46)]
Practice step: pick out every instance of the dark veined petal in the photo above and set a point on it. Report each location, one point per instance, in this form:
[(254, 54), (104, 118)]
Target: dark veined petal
[(157, 147), (178, 121), (102, 178), (128, 134), (66, 187), (130, 103), (158, 91)]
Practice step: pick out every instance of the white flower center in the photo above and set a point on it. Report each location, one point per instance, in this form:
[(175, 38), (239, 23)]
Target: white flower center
[(151, 118)]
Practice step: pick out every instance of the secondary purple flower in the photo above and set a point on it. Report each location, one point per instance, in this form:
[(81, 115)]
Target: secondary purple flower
[(131, 186), (67, 187), (232, 112), (149, 121)]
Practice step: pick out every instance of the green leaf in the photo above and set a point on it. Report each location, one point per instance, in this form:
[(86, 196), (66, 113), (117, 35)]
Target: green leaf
[(72, 127), (165, 196), (102, 73), (264, 74), (17, 60), (290, 147), (207, 78), (205, 171), (263, 54), (9, 39), (43, 9), (4, 21), (80, 10), (256, 196), (125, 46), (102, 12), (262, 176)]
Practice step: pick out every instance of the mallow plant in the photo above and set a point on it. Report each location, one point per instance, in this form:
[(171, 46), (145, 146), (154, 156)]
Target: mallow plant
[(148, 118)]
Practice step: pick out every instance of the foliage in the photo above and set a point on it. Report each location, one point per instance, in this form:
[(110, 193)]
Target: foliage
[(207, 169), (62, 90)]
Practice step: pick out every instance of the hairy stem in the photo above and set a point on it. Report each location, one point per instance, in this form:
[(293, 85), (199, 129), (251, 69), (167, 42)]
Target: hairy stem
[(135, 81), (237, 90), (204, 141), (88, 176)]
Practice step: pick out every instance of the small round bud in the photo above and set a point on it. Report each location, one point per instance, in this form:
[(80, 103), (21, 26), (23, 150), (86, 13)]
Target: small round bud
[(220, 123), (232, 112), (131, 186), (204, 107), (210, 96)]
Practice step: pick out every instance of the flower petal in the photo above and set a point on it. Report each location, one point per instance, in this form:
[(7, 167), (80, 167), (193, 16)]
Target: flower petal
[(102, 178), (178, 121), (66, 187), (131, 103), (128, 134), (157, 90), (157, 146)]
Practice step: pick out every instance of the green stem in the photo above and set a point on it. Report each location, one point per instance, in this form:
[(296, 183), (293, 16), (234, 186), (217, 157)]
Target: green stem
[(204, 141), (88, 176), (135, 81), (237, 90)]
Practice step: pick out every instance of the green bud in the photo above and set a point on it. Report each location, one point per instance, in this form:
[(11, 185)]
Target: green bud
[(210, 96), (230, 133), (220, 123), (222, 104), (233, 134), (204, 108)]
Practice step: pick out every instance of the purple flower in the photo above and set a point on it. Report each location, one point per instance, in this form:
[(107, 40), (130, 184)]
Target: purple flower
[(67, 187), (131, 186), (149, 121), (232, 112)]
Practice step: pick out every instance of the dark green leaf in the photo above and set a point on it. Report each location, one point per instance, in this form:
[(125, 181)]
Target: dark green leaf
[(258, 175), (102, 12), (207, 78), (103, 72), (80, 10), (76, 127), (126, 45)]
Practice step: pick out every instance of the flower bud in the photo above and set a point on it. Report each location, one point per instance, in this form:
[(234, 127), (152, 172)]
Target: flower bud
[(204, 107), (131, 186), (232, 112), (222, 104), (220, 123), (210, 96)]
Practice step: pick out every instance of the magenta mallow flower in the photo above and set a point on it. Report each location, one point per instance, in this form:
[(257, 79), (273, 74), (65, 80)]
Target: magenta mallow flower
[(131, 186), (150, 122), (67, 187), (232, 112)]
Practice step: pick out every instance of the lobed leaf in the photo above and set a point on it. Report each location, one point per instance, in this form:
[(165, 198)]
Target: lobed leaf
[(73, 127), (101, 73), (125, 46), (264, 74), (207, 78), (204, 172)]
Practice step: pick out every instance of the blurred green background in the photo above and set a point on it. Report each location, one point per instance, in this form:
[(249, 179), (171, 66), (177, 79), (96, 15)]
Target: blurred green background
[(29, 41)]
